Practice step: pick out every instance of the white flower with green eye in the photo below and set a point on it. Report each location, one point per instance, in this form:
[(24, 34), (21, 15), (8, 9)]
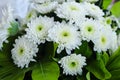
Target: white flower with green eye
[(89, 29), (73, 64), (102, 42), (37, 30), (46, 7), (66, 36), (71, 11), (23, 52)]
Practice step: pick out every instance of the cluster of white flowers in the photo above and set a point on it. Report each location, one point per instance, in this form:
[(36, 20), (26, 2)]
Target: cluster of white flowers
[(63, 22)]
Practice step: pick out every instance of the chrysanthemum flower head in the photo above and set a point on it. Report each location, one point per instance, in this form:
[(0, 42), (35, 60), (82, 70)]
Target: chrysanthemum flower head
[(102, 41), (23, 52), (89, 29), (66, 36), (71, 10), (73, 64), (37, 30)]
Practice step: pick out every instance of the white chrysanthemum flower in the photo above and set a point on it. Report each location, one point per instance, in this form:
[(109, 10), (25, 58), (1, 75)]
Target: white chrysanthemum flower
[(102, 41), (37, 30), (45, 7), (23, 52), (73, 64), (89, 1), (89, 29), (94, 10), (71, 11), (66, 36)]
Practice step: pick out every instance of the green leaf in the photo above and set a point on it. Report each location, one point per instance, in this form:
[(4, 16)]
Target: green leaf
[(114, 61), (88, 76), (115, 9), (105, 58), (14, 28), (98, 69), (113, 65), (106, 3), (84, 49), (46, 71)]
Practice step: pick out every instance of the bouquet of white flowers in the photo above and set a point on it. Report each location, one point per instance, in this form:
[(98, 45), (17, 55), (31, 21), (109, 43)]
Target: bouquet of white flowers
[(59, 40)]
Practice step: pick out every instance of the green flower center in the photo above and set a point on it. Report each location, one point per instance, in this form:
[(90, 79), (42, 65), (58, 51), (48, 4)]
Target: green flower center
[(39, 28), (103, 40), (65, 34), (108, 21), (73, 8), (90, 29), (73, 64), (29, 15), (21, 51)]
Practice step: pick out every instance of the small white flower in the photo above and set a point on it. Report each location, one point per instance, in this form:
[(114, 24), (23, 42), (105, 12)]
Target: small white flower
[(89, 29), (94, 11), (23, 52), (45, 7), (102, 41), (71, 11), (37, 30), (73, 64), (66, 36)]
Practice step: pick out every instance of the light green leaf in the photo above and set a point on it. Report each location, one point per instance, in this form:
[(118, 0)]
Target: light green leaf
[(106, 3), (88, 76), (113, 65), (115, 9), (84, 49), (46, 71), (105, 58)]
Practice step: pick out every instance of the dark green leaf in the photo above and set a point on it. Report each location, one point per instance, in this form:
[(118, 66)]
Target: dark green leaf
[(98, 69), (84, 49)]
